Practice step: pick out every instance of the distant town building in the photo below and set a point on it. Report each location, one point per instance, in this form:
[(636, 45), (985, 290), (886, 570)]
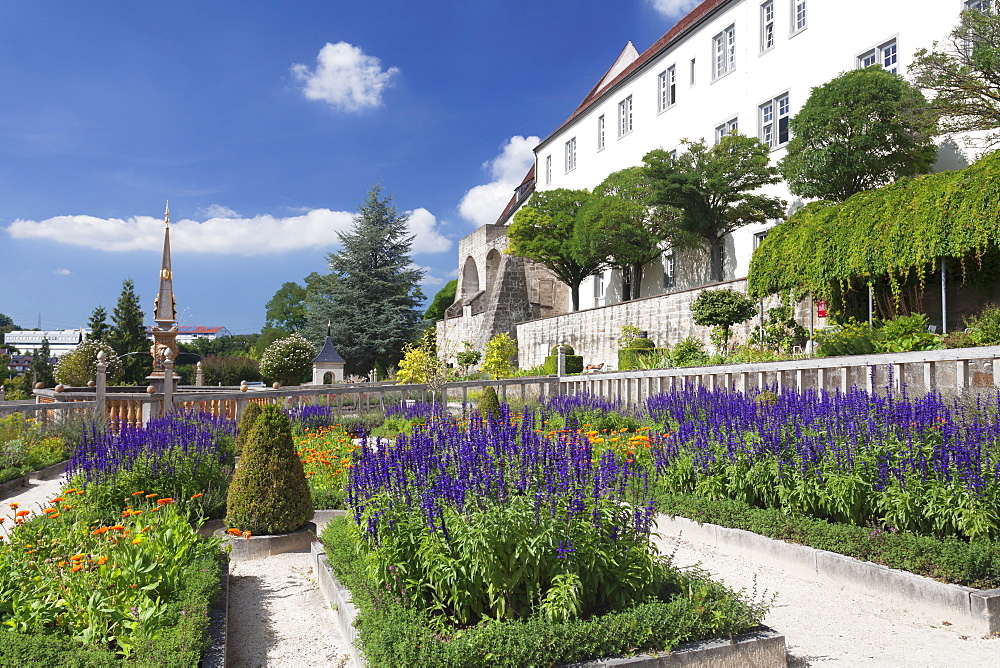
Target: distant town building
[(190, 333), (19, 364), (61, 341)]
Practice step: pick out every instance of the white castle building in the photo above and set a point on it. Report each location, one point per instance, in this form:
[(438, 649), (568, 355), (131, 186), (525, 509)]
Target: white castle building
[(728, 66)]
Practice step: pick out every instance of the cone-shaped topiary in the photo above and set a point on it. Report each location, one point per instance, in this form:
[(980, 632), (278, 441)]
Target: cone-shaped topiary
[(489, 405), (269, 494), (247, 420)]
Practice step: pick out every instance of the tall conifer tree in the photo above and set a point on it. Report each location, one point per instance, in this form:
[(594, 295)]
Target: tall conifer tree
[(371, 296), (98, 324), (128, 335)]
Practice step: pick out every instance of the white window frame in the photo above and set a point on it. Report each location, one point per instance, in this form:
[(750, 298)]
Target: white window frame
[(724, 53), (669, 270), (758, 237), (667, 88), (798, 17), (885, 54), (625, 117), (727, 128), (767, 26), (600, 132), (548, 170), (770, 116), (570, 155), (978, 5)]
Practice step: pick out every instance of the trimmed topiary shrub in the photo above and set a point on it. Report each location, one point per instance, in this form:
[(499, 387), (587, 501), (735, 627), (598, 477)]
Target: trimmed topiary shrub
[(574, 362), (632, 356), (489, 404), (269, 494), (247, 420)]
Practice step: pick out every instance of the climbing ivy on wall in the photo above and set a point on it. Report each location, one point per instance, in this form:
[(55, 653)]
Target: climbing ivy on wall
[(891, 234)]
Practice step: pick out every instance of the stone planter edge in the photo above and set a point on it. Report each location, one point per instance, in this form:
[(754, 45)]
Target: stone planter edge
[(41, 474), (218, 630), (971, 609), (764, 647)]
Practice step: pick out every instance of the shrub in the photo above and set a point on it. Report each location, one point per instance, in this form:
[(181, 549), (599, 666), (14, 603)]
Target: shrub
[(468, 357), (850, 338), (230, 369), (288, 360), (574, 362), (689, 352), (500, 353), (79, 366), (247, 420), (905, 333), (269, 494), (489, 404), (781, 331), (984, 329), (722, 309), (638, 352)]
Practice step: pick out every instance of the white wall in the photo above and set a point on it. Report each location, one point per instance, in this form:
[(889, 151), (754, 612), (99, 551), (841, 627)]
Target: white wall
[(837, 32)]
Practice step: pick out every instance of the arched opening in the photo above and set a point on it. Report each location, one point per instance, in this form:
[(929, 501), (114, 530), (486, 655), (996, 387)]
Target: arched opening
[(470, 278), (327, 377), (492, 267)]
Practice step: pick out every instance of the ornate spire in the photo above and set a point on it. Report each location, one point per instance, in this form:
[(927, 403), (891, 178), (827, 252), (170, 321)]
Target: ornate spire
[(165, 308)]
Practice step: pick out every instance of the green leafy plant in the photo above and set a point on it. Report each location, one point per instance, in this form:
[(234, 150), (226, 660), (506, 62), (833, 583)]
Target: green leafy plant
[(984, 329), (781, 332), (574, 362), (288, 360), (849, 338), (489, 403), (468, 357), (721, 309), (499, 355), (247, 420), (79, 366), (689, 352), (268, 493)]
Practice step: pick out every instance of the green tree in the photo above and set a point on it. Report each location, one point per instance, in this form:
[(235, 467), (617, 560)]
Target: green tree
[(498, 360), (442, 300), (41, 369), (287, 308), (372, 294), (715, 189), (964, 75), (6, 324), (616, 223), (79, 366), (722, 309), (98, 324), (128, 335), (288, 360), (543, 231), (859, 131)]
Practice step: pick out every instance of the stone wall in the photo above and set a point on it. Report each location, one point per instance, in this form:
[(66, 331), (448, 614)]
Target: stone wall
[(594, 333)]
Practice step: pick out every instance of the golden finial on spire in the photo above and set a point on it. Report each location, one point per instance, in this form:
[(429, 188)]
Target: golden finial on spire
[(166, 215)]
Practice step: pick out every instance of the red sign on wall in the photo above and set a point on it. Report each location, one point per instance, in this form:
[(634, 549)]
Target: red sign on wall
[(820, 308)]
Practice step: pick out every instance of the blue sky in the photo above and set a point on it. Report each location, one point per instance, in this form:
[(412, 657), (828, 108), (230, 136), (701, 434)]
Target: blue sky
[(265, 124)]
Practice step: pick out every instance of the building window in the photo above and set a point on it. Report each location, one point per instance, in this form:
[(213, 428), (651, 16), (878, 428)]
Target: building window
[(600, 132), (692, 71), (571, 155), (729, 127), (625, 116), (798, 15), (774, 121), (758, 238), (548, 170), (669, 267), (766, 26), (979, 5), (668, 88), (673, 154), (884, 55), (724, 49)]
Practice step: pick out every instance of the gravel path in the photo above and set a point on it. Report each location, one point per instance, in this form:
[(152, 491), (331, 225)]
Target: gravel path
[(824, 625), (32, 498), (278, 616)]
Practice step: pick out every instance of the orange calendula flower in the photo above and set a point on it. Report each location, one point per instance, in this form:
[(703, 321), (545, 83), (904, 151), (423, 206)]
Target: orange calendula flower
[(57, 499), (164, 501), (139, 493), (151, 496), (66, 506), (22, 513), (102, 561), (195, 496), (247, 534), (2, 519), (78, 557), (77, 567), (117, 527), (49, 510), (136, 541), (14, 506), (70, 490), (234, 532), (98, 532), (62, 564)]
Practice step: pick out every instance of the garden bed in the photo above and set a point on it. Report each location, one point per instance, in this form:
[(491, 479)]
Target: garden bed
[(47, 473)]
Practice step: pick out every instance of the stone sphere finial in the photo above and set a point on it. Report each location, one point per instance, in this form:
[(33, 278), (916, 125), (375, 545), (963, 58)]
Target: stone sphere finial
[(168, 355), (101, 356), (198, 364), (276, 385), (91, 383), (39, 385), (60, 388), (151, 389), (243, 386)]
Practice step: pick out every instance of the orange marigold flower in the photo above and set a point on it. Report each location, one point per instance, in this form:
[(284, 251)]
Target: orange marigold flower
[(80, 492), (57, 499), (102, 561), (78, 557), (139, 493), (150, 496), (14, 506), (164, 501), (49, 510), (66, 506), (247, 534), (234, 532), (22, 513), (117, 527), (98, 532), (62, 564), (136, 541), (77, 567), (70, 490), (2, 519), (195, 496)]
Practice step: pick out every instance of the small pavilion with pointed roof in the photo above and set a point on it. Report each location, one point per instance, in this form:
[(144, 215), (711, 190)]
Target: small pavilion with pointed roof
[(328, 361)]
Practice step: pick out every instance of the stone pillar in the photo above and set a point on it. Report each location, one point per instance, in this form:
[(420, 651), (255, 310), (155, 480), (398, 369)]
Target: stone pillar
[(101, 384), (561, 362), (168, 381), (199, 375)]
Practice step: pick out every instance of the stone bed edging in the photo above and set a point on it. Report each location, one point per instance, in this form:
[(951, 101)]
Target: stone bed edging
[(975, 610), (218, 625), (760, 648), (46, 473)]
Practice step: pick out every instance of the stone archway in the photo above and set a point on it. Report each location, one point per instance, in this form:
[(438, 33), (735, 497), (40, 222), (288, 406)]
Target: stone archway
[(492, 267), (328, 378), (470, 278)]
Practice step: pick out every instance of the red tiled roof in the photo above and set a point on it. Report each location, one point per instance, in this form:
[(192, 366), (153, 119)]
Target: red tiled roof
[(679, 29), (520, 193)]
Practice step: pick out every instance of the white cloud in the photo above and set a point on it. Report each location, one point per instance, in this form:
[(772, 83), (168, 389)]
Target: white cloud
[(62, 272), (426, 238), (217, 211), (674, 8), (484, 203), (345, 77), (260, 235), (428, 279)]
